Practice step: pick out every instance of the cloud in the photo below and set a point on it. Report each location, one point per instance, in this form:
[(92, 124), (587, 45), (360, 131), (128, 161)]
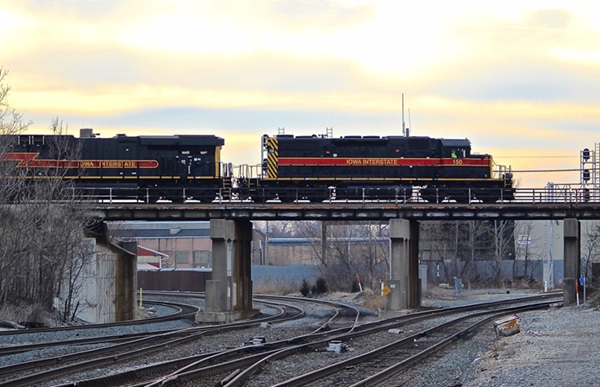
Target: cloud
[(298, 16), (193, 120), (520, 75), (532, 81)]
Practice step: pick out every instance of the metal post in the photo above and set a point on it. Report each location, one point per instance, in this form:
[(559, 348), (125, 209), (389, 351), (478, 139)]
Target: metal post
[(323, 240), (266, 244)]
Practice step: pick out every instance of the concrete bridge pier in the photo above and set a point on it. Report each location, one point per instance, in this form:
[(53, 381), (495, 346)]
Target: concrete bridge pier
[(572, 250), (108, 283), (229, 293), (404, 265)]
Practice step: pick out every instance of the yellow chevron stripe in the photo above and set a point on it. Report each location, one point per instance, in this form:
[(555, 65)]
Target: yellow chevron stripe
[(272, 157)]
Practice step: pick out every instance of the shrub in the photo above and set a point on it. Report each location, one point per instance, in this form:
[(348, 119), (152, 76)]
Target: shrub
[(320, 286), (305, 288)]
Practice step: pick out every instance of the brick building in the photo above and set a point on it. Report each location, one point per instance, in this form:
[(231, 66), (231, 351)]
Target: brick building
[(179, 245)]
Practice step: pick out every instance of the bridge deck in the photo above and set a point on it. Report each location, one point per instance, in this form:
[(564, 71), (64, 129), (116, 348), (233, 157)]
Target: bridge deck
[(345, 211)]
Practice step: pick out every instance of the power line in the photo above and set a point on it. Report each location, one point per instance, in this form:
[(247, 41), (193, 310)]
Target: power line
[(544, 170), (535, 157)]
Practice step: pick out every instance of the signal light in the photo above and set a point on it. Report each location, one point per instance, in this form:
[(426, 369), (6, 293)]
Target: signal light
[(585, 175), (585, 154)]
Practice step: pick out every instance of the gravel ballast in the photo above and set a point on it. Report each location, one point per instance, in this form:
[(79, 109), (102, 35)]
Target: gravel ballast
[(555, 347)]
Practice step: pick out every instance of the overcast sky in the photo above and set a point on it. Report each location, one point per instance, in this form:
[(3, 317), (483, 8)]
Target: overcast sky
[(520, 79)]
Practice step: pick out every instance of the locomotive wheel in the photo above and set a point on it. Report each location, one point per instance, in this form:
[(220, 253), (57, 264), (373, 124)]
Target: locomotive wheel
[(150, 199), (488, 199), (177, 199), (261, 195), (287, 198), (432, 195), (460, 196), (316, 195), (404, 195), (316, 199), (206, 199), (287, 195), (259, 198), (488, 195), (461, 199)]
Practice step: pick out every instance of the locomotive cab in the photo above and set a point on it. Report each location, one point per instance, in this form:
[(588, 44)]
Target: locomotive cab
[(456, 149)]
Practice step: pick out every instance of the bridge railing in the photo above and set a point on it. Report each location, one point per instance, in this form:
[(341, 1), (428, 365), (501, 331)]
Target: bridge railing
[(561, 195), (467, 196)]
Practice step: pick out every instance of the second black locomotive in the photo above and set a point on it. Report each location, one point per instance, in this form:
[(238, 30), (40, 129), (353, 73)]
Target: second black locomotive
[(372, 167)]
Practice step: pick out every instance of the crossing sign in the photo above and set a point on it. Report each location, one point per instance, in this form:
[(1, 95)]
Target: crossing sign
[(386, 290)]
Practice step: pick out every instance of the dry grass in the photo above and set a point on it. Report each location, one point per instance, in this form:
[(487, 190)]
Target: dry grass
[(593, 297), (25, 313), (9, 313), (366, 298), (283, 288), (15, 313), (373, 301)]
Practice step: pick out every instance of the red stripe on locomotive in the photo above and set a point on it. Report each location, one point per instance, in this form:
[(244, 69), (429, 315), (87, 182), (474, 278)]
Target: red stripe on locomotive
[(29, 159), (379, 162)]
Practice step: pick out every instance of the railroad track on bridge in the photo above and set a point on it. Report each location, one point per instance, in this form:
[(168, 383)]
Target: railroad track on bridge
[(348, 211)]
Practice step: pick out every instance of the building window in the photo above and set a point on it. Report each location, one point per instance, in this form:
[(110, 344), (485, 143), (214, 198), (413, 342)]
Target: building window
[(181, 257), (202, 258)]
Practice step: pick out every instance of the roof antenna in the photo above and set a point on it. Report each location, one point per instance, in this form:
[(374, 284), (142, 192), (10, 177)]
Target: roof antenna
[(403, 124), (409, 124)]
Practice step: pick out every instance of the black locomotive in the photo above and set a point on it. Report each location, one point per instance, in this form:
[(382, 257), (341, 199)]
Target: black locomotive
[(144, 167), (372, 167), (314, 168)]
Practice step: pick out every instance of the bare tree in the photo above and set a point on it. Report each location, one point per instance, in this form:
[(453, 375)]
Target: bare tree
[(375, 265), (11, 122), (458, 247), (524, 249), (502, 233), (11, 246), (349, 251), (41, 223), (591, 246), (438, 249), (473, 242)]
